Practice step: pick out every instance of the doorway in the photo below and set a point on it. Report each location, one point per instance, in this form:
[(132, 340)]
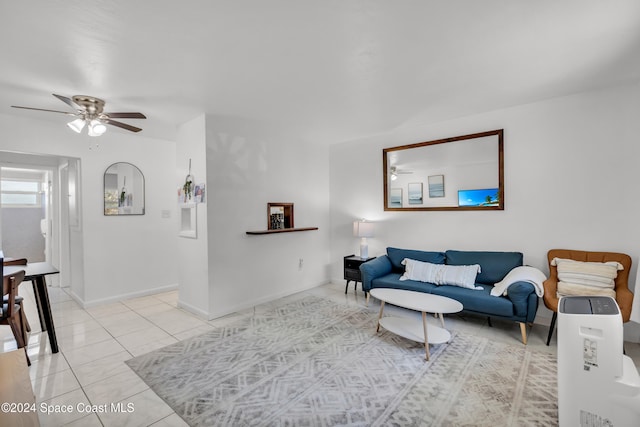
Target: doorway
[(25, 198), (35, 209)]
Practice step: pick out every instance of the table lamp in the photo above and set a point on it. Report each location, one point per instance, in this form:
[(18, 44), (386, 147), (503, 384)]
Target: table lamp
[(363, 229)]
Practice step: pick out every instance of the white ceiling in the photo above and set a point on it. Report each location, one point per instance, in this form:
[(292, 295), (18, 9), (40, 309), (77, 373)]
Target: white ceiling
[(329, 70)]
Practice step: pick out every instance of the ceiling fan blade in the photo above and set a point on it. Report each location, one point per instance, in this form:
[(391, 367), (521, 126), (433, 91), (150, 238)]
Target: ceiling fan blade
[(42, 109), (122, 125), (126, 115), (67, 101)]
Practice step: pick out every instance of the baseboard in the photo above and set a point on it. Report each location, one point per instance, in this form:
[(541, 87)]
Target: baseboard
[(249, 304), (122, 297), (193, 310)]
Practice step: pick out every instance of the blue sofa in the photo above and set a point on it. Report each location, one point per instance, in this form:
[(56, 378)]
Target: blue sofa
[(519, 305)]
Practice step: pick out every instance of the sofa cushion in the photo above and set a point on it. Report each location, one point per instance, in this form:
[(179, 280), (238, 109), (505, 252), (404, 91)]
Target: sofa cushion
[(392, 280), (440, 274), (397, 255), (479, 301), (495, 265)]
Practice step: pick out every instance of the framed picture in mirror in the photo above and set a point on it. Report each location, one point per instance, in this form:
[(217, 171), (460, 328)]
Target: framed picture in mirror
[(436, 186)]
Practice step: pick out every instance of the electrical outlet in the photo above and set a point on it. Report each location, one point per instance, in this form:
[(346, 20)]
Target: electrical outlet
[(300, 263)]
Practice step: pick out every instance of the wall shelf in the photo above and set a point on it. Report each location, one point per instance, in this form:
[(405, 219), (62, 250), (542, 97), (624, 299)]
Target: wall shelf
[(280, 230)]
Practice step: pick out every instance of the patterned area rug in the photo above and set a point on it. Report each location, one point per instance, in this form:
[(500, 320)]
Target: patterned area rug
[(314, 362)]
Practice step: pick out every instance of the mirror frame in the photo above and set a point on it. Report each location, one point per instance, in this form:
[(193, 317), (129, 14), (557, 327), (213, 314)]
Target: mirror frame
[(104, 190), (385, 175)]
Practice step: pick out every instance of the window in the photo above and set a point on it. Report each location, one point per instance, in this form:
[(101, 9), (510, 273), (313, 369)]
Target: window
[(20, 193)]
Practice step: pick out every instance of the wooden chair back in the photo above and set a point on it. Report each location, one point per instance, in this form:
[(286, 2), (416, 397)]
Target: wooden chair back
[(10, 288), (16, 261)]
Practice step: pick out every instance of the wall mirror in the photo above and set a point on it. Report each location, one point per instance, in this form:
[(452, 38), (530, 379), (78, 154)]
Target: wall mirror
[(460, 173), (123, 190)]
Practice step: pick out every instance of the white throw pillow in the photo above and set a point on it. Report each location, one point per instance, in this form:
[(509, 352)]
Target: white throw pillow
[(566, 289), (586, 278), (441, 274)]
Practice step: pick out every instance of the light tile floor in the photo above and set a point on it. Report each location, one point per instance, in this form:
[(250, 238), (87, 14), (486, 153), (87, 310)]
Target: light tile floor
[(95, 342)]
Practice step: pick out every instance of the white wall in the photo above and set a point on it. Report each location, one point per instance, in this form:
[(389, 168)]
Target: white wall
[(192, 257), (250, 164), (123, 256), (571, 181)]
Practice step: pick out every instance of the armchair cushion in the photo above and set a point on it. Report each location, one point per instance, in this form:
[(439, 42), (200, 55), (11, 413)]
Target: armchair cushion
[(586, 278)]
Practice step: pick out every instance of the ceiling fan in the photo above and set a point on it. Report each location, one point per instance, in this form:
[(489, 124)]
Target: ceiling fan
[(395, 172), (90, 112)]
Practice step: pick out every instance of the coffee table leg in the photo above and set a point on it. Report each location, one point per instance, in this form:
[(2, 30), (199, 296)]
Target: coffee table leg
[(441, 320), (380, 315), (426, 338)]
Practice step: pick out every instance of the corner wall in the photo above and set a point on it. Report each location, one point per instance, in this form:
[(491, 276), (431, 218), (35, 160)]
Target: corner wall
[(250, 164), (571, 181), (192, 253)]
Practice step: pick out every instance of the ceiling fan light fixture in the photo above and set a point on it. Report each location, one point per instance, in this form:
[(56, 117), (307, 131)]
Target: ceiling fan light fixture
[(90, 112), (76, 125), (96, 128)]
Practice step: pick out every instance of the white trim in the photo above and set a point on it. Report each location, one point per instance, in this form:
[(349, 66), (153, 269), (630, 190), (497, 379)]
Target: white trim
[(269, 298), (193, 310), (122, 297)]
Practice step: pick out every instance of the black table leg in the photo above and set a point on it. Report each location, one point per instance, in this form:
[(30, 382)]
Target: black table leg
[(42, 296), (36, 295)]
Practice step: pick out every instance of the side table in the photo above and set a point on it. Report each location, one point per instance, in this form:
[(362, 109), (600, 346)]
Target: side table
[(352, 270)]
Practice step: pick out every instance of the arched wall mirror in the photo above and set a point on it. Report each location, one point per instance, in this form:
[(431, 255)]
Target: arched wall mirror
[(123, 190), (460, 173)]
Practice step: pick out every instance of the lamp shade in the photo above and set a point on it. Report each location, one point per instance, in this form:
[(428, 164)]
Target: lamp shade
[(96, 128), (362, 229), (76, 125)]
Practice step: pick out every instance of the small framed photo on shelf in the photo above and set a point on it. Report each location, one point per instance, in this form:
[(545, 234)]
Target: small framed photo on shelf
[(279, 216), (199, 193)]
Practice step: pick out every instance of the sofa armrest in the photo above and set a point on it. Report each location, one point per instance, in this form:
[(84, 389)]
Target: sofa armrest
[(377, 267), (518, 293)]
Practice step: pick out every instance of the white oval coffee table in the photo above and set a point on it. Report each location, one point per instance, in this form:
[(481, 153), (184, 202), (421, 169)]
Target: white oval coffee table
[(418, 301)]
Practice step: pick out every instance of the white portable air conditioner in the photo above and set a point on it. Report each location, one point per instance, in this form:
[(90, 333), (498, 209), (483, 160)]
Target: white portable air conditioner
[(598, 386)]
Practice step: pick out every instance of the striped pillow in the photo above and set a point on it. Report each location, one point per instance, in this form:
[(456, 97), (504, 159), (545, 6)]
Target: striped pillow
[(586, 278)]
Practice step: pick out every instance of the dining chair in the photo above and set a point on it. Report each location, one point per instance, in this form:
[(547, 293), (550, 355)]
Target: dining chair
[(10, 314), (19, 299)]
